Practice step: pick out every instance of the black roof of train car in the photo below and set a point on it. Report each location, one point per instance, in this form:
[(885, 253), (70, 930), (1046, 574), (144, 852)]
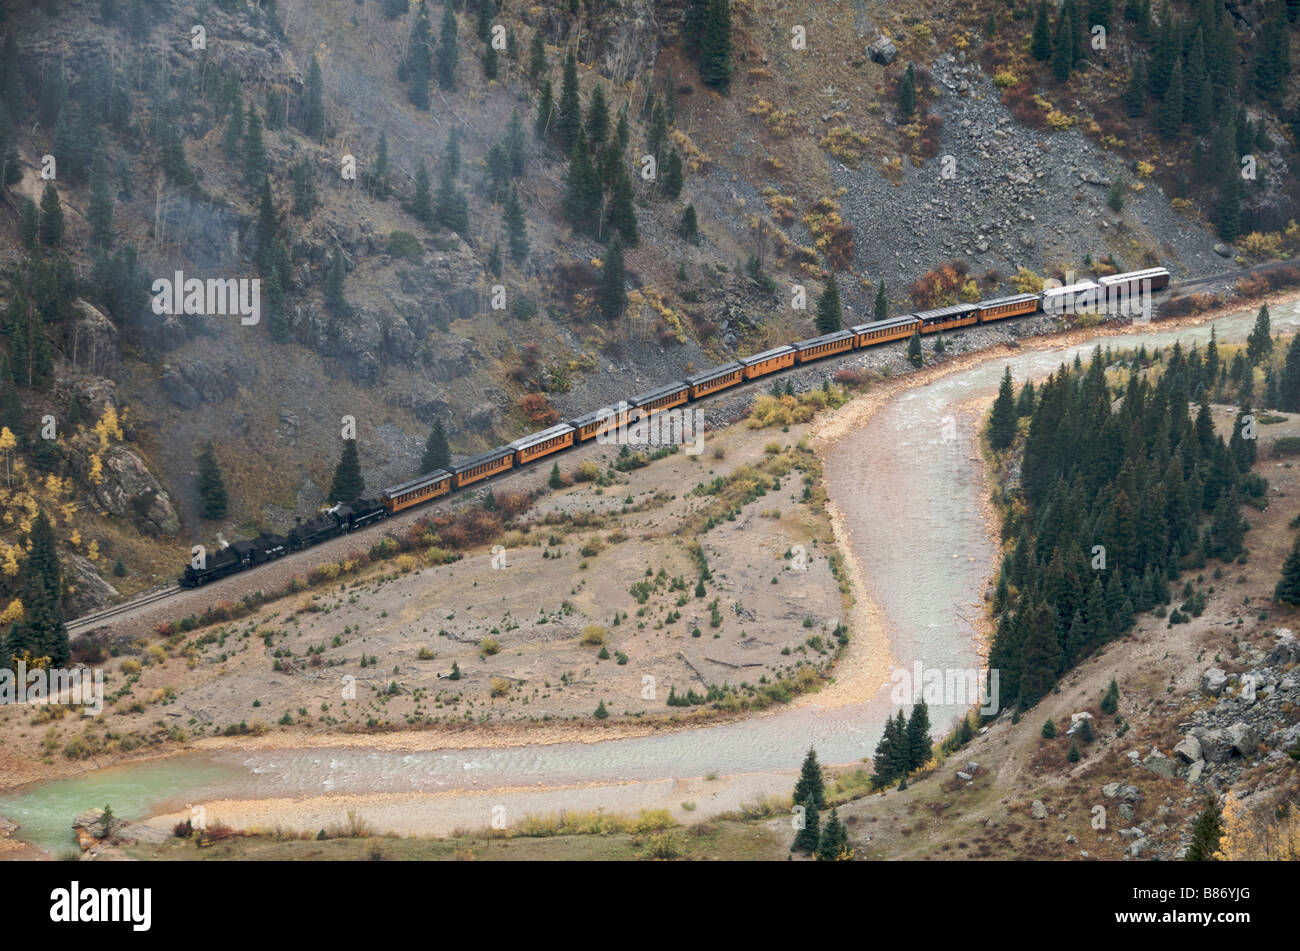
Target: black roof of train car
[(659, 392), (492, 455), (420, 482), (823, 339), (707, 375), (767, 355)]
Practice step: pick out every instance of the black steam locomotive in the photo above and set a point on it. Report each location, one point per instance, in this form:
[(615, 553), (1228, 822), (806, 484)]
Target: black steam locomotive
[(267, 546)]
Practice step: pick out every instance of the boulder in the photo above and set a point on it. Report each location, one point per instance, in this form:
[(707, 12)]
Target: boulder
[(129, 491), (90, 591), (1215, 747), (882, 50), (1286, 649), (1037, 810), (1242, 738), (1188, 749), (1214, 680), (1159, 763), (91, 829)]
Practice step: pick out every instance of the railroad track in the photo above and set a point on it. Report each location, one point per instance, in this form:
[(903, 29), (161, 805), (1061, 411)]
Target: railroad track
[(87, 621)]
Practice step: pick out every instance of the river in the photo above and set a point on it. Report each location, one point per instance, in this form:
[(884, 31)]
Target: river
[(909, 487)]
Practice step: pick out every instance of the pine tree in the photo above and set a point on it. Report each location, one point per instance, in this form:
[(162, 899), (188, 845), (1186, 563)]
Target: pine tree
[(1166, 52), (543, 125), (597, 118), (1110, 699), (51, 225), (1206, 833), (829, 315), (276, 324), (451, 210), (834, 844), (907, 92), (1169, 117), (537, 65), (689, 227), (255, 163), (915, 355), (611, 295), (1003, 419), (1288, 586), (313, 120), (41, 631), (693, 19), (234, 130), (1135, 93), (582, 196), (348, 483), (437, 453), (422, 201), (1196, 109), (1049, 730), (335, 299), (1259, 345), (882, 302), (516, 233), (515, 144), (1289, 388), (716, 46), (1063, 46), (919, 746), (491, 63), (672, 183), (419, 59), (555, 480), (1100, 12), (448, 51), (31, 223), (484, 19), (622, 210), (809, 792), (213, 499), (305, 200), (569, 120), (1227, 213), (1041, 47)]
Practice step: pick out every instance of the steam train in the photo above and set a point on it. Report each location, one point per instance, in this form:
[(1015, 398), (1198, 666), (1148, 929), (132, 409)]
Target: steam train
[(1114, 293)]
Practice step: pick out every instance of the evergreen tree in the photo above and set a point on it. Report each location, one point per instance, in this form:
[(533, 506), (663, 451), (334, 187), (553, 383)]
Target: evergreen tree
[(672, 183), (1002, 422), (1110, 700), (31, 223), (422, 201), (378, 180), (716, 46), (1272, 55), (305, 200), (313, 120), (810, 790), (234, 130), (516, 234), (582, 193), (1135, 93), (335, 299), (1227, 213), (1100, 13), (915, 355), (1196, 107), (542, 126), (829, 315), (1166, 52), (693, 20), (1289, 388), (834, 844), (537, 65), (213, 499), (689, 227), (1041, 47), (1169, 117), (1063, 46), (1259, 345), (41, 631), (419, 59), (1206, 833), (447, 49), (1288, 586), (569, 120), (622, 214), (882, 302), (437, 453), (919, 746), (484, 19), (597, 118), (348, 483), (451, 210), (907, 92), (515, 144), (491, 63), (51, 225), (555, 481), (611, 295), (1040, 655), (255, 162), (276, 323)]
